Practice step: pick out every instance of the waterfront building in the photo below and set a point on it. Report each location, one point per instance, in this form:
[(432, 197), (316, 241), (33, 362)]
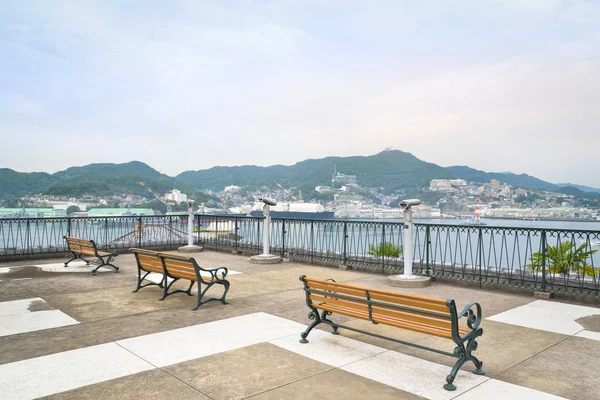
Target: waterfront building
[(119, 212), (32, 213)]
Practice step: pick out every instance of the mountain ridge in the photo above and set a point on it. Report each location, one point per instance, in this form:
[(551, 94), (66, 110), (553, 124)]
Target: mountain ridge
[(391, 170)]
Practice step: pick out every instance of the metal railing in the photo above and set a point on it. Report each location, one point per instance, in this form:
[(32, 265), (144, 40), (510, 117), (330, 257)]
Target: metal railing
[(557, 260)]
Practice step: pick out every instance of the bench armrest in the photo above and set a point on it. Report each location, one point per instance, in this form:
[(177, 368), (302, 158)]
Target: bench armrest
[(110, 247), (217, 273), (473, 318)]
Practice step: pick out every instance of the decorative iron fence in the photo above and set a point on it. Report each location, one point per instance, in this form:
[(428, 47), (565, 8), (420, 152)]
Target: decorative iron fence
[(562, 261)]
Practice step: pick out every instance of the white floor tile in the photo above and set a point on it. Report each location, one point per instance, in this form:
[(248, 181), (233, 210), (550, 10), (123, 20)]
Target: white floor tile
[(499, 390), (334, 350), (589, 335), (17, 306), (15, 317), (547, 316), (414, 375), (59, 372), (35, 321), (75, 266), (214, 337)]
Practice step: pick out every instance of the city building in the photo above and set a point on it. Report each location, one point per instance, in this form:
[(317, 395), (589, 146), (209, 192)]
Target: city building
[(175, 196), (440, 184), (345, 179)]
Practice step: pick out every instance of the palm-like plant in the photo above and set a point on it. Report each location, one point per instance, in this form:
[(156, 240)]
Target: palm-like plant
[(386, 249), (563, 259)]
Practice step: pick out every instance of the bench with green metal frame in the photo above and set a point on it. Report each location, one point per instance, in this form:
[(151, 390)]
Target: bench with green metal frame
[(431, 316), (82, 248), (173, 267)]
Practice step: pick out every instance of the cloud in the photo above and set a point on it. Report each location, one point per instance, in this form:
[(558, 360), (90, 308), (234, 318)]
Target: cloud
[(184, 85)]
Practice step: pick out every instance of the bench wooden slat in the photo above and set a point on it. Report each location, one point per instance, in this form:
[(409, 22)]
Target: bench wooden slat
[(386, 312), (399, 324), (391, 297), (378, 291)]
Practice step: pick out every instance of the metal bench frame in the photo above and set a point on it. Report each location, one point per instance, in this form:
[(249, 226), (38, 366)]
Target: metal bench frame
[(100, 261), (217, 276), (465, 344)]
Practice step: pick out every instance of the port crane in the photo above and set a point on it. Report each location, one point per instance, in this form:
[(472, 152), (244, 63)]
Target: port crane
[(289, 192), (166, 203)]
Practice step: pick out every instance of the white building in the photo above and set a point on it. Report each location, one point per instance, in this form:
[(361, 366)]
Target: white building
[(446, 184), (440, 184), (176, 196)]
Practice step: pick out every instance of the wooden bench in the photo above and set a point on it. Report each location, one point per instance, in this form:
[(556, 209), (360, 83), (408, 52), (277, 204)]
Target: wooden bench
[(82, 248), (421, 314), (173, 267)]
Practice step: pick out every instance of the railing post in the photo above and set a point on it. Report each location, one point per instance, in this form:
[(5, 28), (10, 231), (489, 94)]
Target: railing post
[(480, 251), (68, 226), (28, 241), (345, 239), (543, 260), (283, 238), (235, 231), (383, 246), (139, 236), (427, 246), (106, 231), (312, 242)]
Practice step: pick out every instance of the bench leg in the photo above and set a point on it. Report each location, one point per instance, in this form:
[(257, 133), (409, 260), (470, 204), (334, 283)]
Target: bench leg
[(317, 320), (226, 285), (106, 263), (464, 354), (141, 279), (208, 286), (75, 257), (324, 318), (167, 287)]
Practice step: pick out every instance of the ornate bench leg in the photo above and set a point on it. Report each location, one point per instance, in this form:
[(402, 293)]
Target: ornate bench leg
[(167, 287), (464, 354), (189, 290), (226, 285), (317, 320), (75, 257), (106, 263), (200, 295)]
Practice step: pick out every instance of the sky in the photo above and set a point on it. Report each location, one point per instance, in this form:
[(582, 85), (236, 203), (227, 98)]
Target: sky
[(498, 85)]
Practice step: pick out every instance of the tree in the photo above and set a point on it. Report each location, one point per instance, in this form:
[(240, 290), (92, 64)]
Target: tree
[(385, 249), (563, 259), (73, 209)]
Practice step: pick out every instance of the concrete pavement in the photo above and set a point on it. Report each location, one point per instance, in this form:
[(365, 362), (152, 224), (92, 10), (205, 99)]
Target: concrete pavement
[(69, 334)]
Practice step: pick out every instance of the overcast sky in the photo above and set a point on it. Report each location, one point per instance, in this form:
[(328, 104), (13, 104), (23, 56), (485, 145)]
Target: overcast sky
[(499, 85)]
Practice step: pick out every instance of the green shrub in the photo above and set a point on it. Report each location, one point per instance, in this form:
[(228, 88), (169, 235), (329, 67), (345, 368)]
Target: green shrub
[(386, 249), (563, 259)]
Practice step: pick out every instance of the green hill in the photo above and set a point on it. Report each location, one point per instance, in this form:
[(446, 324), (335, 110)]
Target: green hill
[(93, 179), (102, 179), (390, 169), (15, 184)]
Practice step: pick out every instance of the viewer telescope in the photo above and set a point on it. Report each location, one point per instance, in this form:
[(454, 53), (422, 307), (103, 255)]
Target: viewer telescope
[(267, 201), (406, 204)]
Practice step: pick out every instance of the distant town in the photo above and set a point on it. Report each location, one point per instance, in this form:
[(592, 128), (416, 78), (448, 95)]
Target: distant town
[(343, 197)]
